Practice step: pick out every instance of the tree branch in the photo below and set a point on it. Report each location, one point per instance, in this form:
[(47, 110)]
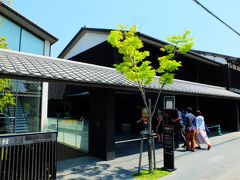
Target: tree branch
[(156, 102), (143, 94)]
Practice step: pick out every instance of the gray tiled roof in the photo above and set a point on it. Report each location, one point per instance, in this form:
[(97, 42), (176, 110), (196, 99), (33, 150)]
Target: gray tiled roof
[(46, 68)]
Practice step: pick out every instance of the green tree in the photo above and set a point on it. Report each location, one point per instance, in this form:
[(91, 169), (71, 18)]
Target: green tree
[(138, 69), (6, 98), (3, 43)]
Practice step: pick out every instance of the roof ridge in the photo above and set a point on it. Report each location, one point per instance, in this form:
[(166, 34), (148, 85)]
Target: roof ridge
[(197, 83)]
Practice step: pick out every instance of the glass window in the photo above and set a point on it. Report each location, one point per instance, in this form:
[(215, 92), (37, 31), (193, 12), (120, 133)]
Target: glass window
[(11, 31), (31, 43), (68, 113), (26, 115), (29, 97)]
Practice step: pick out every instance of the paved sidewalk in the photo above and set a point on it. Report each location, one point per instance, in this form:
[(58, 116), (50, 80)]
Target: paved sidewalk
[(123, 167)]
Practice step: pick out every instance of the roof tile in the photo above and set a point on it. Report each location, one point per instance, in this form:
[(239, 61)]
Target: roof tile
[(17, 64)]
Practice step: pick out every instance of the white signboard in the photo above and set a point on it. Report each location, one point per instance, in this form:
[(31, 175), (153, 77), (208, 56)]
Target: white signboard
[(169, 102)]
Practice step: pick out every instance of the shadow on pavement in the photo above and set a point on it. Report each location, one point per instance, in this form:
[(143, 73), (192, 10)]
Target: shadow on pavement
[(87, 168), (133, 147)]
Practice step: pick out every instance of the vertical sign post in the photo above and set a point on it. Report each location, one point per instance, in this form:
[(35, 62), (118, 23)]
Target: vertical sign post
[(168, 148), (168, 134)]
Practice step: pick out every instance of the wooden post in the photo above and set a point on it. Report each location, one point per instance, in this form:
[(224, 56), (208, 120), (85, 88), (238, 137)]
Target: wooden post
[(154, 156), (140, 156)]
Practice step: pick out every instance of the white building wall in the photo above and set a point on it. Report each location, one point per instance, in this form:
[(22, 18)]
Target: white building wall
[(87, 41), (44, 109)]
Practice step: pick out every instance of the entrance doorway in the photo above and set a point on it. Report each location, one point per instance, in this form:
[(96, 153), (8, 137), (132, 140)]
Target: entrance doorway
[(68, 113)]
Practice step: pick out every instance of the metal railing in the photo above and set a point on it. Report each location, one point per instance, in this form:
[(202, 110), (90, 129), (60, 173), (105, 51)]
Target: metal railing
[(6, 123), (28, 156)]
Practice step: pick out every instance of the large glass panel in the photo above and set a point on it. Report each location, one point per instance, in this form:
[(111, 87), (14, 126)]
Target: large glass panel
[(68, 109), (26, 115), (31, 43), (11, 31), (29, 96)]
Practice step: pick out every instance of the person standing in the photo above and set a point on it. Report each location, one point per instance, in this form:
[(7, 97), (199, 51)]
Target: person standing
[(201, 134), (190, 129), (144, 118), (182, 129), (175, 118), (159, 127)]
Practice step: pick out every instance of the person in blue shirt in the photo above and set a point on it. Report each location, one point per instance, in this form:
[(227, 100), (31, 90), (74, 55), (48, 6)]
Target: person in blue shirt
[(189, 126)]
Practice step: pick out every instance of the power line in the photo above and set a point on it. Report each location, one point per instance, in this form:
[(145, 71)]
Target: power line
[(217, 17)]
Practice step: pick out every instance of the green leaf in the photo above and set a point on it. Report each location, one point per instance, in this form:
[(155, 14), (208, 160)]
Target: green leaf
[(166, 78), (136, 67), (6, 97), (3, 43)]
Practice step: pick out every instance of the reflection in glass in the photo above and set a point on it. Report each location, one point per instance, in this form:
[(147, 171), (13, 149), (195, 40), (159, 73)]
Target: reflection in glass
[(68, 113), (72, 132), (31, 43), (26, 115), (11, 31), (14, 34)]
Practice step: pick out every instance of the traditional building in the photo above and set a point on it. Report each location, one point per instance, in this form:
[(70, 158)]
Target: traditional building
[(106, 98), (27, 150), (199, 71), (89, 102), (25, 36)]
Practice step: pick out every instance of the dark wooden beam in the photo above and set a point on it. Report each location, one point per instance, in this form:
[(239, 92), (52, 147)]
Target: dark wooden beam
[(102, 124)]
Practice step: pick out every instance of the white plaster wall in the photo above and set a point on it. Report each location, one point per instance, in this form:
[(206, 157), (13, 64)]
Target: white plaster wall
[(44, 109), (47, 48), (87, 41)]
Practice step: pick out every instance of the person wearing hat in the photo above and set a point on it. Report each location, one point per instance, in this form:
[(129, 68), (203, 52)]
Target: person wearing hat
[(189, 126)]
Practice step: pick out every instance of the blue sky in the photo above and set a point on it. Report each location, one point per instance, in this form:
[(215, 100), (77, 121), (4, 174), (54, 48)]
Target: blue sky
[(156, 18)]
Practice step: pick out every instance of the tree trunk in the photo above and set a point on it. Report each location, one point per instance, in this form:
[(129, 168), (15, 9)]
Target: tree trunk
[(150, 138)]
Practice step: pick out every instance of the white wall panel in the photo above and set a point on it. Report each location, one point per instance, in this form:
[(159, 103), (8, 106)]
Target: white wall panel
[(87, 41)]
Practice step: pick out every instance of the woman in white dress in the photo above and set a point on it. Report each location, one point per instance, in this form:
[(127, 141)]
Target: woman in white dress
[(201, 134)]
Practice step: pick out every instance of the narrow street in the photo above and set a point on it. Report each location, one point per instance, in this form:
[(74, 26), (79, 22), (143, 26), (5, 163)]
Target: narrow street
[(221, 162)]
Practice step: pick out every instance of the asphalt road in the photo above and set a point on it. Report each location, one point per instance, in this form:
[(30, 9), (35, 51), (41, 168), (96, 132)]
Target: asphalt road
[(221, 162)]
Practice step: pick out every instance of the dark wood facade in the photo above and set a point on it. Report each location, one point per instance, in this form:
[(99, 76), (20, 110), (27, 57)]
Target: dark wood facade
[(108, 109), (102, 124), (192, 70)]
